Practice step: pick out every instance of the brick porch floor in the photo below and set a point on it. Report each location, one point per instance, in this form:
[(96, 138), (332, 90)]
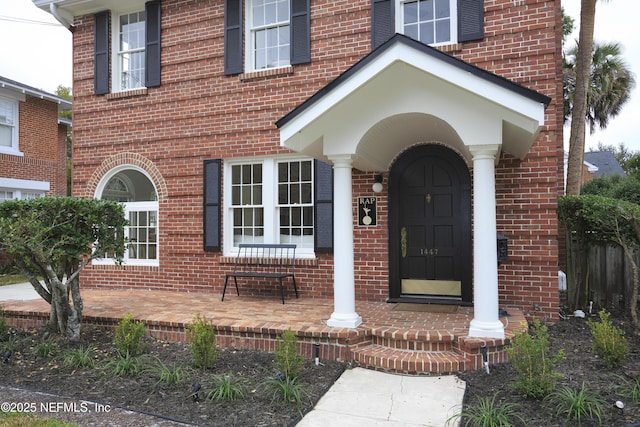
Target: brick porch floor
[(388, 340)]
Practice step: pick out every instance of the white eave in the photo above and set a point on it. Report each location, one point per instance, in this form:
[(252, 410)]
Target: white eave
[(13, 86)]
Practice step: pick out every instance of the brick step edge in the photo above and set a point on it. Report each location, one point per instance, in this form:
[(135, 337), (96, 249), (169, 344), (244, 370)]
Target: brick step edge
[(410, 362)]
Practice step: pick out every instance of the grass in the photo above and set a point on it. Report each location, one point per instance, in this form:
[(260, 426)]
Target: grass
[(225, 388), (17, 419), (576, 404), (490, 413), (78, 358), (12, 279)]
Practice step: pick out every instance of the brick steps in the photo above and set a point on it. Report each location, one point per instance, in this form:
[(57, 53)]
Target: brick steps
[(410, 352)]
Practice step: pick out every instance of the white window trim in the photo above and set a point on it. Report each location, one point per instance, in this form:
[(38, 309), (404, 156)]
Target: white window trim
[(20, 186), (14, 150), (116, 71), (453, 7), (145, 205), (249, 44), (269, 202)]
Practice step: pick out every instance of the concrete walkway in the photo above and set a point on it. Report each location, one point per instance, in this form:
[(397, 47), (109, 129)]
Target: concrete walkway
[(361, 397)]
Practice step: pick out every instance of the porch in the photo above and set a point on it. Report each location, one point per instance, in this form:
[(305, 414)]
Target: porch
[(390, 340)]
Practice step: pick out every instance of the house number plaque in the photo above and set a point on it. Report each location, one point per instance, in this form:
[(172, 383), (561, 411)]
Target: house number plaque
[(367, 213)]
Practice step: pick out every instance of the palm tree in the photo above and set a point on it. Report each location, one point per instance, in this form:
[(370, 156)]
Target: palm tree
[(610, 85), (579, 110)]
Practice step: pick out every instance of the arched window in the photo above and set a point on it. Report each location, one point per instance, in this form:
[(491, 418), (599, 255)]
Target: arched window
[(135, 190)]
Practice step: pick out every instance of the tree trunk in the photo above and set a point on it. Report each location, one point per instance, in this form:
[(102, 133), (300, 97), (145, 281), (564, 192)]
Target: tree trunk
[(579, 109), (633, 303), (65, 318)]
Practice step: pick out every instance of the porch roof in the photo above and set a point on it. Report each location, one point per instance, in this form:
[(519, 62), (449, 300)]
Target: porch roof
[(404, 93)]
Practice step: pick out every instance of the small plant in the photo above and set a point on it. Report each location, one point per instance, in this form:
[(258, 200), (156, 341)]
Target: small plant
[(202, 339), (609, 342), (286, 390), (78, 358), (488, 412), (10, 344), (124, 365), (225, 387), (166, 374), (44, 348), (629, 388), (576, 404), (287, 359), (128, 336), (529, 356)]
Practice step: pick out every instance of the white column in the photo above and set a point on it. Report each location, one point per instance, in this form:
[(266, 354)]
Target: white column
[(486, 321), (344, 303)]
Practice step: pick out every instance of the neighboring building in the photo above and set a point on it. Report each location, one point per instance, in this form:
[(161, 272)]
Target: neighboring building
[(605, 164), (221, 122), (33, 142)]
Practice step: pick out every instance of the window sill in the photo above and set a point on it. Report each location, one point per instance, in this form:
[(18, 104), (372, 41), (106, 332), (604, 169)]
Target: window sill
[(449, 48), (271, 72), (11, 152), (127, 93)]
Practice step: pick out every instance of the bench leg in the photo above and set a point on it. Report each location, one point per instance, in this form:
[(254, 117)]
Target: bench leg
[(295, 288), (226, 280), (281, 289)]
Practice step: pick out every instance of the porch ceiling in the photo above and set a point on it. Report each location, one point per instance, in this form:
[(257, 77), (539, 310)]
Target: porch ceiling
[(405, 93)]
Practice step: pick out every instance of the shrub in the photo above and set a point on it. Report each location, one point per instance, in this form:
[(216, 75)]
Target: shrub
[(576, 404), (609, 342), (528, 354), (287, 359), (202, 339), (489, 413), (128, 337)]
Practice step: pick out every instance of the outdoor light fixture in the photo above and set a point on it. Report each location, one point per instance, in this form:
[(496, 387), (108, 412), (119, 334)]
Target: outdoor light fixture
[(377, 183)]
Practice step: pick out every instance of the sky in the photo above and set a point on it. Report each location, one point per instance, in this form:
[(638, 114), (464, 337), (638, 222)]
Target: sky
[(36, 51)]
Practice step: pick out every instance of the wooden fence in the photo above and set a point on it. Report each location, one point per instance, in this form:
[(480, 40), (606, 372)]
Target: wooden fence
[(607, 279)]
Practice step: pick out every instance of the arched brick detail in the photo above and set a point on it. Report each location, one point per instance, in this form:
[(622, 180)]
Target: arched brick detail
[(133, 159)]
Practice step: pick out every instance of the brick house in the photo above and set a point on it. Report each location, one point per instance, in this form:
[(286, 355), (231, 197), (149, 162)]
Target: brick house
[(221, 122), (33, 142)]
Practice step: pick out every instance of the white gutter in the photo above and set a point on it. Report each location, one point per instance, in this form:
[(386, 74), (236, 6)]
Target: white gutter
[(53, 8)]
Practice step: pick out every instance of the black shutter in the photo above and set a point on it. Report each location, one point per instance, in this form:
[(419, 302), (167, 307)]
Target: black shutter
[(382, 21), (470, 20), (323, 206), (101, 53), (300, 33), (232, 36), (212, 208), (152, 52)]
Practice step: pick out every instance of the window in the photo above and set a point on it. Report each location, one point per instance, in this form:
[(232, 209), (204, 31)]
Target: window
[(135, 190), (269, 33), (275, 34), (127, 56), (271, 200), (130, 50), (432, 22), (8, 126)]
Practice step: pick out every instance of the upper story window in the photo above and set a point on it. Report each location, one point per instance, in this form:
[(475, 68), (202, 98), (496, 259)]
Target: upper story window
[(8, 126), (269, 33), (264, 34), (432, 22), (130, 51), (127, 48)]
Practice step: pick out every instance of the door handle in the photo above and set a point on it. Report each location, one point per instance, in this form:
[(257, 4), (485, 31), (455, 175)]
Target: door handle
[(403, 241)]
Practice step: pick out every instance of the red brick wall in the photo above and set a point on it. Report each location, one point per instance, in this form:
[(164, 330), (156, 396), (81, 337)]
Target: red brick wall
[(43, 142), (199, 113)]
